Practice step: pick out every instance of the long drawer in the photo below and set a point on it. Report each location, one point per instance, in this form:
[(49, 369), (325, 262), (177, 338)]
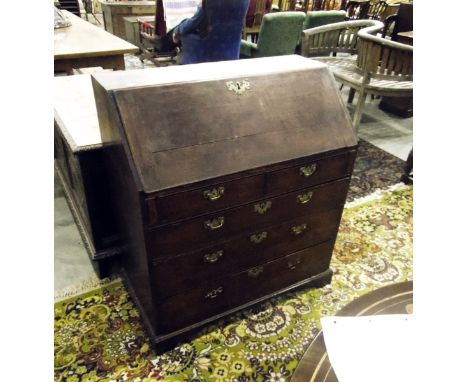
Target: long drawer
[(217, 295), (185, 204), (192, 234), (174, 274)]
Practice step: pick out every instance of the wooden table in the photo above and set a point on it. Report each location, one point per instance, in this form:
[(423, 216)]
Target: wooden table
[(84, 45), (80, 166), (392, 299)]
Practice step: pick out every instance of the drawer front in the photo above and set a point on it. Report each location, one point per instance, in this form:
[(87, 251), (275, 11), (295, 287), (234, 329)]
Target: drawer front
[(178, 273), (183, 205), (199, 232), (310, 173), (219, 295)]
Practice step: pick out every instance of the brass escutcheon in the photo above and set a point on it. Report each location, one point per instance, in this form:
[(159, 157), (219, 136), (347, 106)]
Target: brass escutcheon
[(304, 198), (214, 293), (238, 87), (263, 207), (212, 257), (214, 224), (307, 171), (258, 238), (254, 272), (298, 229), (214, 194)]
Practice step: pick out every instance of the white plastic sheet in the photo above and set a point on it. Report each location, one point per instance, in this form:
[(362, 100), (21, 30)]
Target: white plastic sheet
[(371, 348)]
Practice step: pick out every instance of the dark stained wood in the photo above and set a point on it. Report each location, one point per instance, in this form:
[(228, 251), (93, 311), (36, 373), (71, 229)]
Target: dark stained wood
[(80, 167), (241, 252), (198, 170), (187, 235), (222, 150), (392, 299), (222, 292)]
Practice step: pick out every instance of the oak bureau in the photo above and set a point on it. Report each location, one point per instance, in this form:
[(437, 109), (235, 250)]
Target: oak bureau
[(228, 181)]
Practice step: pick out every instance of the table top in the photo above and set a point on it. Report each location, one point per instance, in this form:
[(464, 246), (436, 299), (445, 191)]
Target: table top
[(75, 112), (392, 299), (83, 39)]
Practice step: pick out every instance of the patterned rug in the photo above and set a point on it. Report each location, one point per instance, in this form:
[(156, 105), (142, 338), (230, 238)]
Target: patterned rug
[(374, 169), (99, 337)]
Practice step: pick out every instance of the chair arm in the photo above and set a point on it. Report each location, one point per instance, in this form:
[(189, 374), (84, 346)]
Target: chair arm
[(311, 42), (247, 48), (340, 25), (369, 34)]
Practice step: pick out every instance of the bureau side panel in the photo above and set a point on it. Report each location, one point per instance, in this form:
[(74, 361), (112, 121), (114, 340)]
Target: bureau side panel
[(126, 199)]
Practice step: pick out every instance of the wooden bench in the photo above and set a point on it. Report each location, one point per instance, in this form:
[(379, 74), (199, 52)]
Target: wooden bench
[(381, 67)]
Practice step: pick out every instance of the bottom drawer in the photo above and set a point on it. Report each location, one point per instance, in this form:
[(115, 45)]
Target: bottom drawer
[(221, 294)]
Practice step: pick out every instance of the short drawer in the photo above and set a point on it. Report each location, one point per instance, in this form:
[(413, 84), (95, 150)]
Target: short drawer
[(174, 274), (310, 173), (191, 234), (218, 295), (182, 205)]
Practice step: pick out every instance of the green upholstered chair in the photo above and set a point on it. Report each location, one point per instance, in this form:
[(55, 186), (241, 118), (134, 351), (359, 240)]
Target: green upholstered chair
[(279, 35), (318, 18)]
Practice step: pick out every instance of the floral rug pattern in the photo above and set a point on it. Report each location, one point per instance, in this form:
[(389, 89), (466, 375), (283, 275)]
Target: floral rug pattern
[(99, 337)]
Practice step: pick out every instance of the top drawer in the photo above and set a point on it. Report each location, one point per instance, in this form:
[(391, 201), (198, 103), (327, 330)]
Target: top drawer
[(182, 205), (186, 204), (310, 173)]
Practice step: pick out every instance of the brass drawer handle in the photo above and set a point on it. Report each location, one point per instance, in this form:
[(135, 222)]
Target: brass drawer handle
[(214, 224), (293, 264), (307, 171), (214, 293), (263, 207), (298, 229), (254, 272), (304, 198), (212, 257), (258, 238), (214, 194)]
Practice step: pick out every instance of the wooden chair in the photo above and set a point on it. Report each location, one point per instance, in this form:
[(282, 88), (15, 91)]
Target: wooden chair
[(376, 10), (357, 10), (334, 38), (382, 68)]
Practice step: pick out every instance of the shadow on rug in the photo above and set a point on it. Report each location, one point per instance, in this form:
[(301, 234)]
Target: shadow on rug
[(99, 337), (374, 169)]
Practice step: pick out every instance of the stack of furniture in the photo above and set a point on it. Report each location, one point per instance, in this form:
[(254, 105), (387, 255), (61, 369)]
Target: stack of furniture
[(253, 20), (227, 191), (72, 6), (113, 13)]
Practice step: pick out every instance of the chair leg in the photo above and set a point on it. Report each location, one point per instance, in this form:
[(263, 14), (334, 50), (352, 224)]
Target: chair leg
[(351, 95), (359, 109)]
